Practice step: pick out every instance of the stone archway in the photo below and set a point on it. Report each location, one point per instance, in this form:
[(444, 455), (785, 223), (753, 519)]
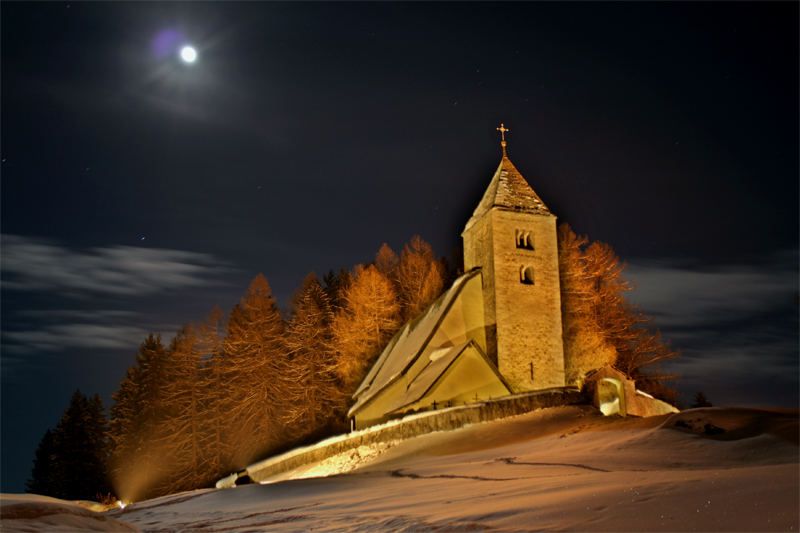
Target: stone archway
[(610, 396)]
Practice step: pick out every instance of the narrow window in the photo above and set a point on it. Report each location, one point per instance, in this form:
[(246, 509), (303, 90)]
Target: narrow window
[(526, 275), (524, 239)]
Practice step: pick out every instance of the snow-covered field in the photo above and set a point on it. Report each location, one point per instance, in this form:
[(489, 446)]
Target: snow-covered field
[(564, 468)]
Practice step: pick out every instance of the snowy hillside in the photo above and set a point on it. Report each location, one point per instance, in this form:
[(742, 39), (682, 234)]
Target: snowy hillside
[(564, 468)]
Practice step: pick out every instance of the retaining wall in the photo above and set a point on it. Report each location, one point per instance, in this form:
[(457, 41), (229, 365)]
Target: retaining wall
[(407, 427)]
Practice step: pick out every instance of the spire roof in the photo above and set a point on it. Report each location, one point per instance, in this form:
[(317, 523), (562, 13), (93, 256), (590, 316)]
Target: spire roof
[(509, 191)]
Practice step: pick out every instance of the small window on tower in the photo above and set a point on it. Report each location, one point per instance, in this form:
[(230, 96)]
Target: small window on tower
[(524, 239), (526, 275)]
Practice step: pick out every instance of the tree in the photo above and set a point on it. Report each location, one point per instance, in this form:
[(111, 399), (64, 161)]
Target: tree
[(70, 462), (252, 363), (370, 316), (700, 400), (597, 318), (136, 433), (44, 478), (420, 277), (386, 261), (184, 411), (585, 345), (316, 400)]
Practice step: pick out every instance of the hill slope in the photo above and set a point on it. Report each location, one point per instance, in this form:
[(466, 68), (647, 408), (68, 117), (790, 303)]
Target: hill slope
[(563, 468)]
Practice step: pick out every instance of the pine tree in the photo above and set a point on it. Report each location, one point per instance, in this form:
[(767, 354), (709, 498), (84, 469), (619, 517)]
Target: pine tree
[(71, 460), (700, 400), (44, 478)]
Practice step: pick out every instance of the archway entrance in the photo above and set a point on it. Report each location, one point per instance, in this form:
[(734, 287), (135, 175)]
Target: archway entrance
[(610, 397)]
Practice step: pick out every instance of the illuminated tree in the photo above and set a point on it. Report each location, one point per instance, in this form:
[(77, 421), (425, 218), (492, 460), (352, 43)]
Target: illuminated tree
[(252, 363), (420, 277), (136, 434), (370, 316), (585, 345), (316, 400), (597, 317), (386, 261)]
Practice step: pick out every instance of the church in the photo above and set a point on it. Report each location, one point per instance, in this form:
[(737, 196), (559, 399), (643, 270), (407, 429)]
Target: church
[(496, 331)]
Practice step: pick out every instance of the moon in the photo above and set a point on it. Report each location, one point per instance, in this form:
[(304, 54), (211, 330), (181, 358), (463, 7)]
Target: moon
[(188, 54)]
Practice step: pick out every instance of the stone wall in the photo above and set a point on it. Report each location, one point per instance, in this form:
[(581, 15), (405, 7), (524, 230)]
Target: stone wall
[(530, 352), (407, 427)]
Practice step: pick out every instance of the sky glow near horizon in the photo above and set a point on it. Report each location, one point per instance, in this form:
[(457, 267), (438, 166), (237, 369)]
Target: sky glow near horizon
[(312, 134)]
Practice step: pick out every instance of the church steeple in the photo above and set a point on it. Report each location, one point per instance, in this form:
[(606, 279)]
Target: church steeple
[(508, 190), (511, 237)]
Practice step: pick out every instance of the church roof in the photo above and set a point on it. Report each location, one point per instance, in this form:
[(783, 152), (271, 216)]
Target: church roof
[(508, 190), (407, 345)]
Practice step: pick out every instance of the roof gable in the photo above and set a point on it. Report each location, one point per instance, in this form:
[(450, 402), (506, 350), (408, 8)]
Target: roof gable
[(408, 344)]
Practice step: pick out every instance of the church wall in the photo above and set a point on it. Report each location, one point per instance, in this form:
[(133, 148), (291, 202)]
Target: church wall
[(271, 469), (478, 253), (528, 315), (469, 380)]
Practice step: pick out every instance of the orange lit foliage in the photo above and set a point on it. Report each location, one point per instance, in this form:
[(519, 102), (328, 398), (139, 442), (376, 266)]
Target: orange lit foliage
[(224, 395), (600, 326), (369, 317), (316, 400), (252, 365)]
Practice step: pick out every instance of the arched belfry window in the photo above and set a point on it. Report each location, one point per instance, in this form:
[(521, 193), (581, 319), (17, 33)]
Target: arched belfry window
[(526, 274), (524, 239)]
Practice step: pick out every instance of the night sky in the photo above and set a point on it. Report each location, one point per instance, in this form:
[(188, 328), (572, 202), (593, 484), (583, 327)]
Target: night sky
[(139, 191)]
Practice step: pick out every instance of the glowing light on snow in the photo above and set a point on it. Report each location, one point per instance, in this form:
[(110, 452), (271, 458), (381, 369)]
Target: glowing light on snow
[(188, 54), (122, 505)]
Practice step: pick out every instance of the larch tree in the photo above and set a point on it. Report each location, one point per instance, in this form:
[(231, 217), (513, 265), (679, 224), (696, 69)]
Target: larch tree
[(136, 432), (316, 403), (420, 277), (361, 328), (253, 362), (216, 449), (183, 414), (585, 345), (596, 314), (386, 261)]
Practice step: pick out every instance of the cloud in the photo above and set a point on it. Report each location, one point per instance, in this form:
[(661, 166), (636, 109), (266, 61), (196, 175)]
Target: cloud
[(736, 325), (679, 295), (30, 264), (59, 337)]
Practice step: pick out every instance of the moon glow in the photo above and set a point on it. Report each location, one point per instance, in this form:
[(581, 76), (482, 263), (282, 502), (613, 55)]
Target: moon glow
[(188, 54)]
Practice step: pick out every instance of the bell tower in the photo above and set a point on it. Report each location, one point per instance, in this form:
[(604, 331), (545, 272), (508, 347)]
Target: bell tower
[(511, 236)]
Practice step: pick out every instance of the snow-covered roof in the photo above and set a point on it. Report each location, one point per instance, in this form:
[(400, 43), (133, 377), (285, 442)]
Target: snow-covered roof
[(406, 346), (508, 190), (439, 361)]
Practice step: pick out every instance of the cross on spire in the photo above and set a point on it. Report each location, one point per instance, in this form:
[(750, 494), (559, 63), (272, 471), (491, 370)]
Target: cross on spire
[(502, 129)]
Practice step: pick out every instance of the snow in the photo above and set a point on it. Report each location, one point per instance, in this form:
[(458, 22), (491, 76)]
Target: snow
[(566, 468), (34, 513)]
